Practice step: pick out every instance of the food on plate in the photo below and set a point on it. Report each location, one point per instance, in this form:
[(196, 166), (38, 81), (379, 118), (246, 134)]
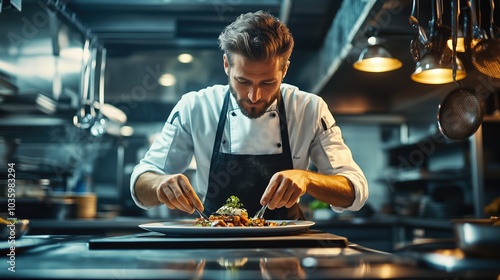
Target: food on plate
[(232, 214)]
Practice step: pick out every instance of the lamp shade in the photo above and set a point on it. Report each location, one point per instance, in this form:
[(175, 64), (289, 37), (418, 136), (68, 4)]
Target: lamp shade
[(429, 70), (376, 58)]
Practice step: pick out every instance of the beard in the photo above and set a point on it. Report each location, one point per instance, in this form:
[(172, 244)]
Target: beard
[(252, 112)]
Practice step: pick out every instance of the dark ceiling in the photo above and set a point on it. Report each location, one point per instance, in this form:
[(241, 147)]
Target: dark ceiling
[(143, 39), (143, 35), (126, 26), (144, 30)]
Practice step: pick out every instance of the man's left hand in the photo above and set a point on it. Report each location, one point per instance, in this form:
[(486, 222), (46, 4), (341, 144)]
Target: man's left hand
[(285, 188)]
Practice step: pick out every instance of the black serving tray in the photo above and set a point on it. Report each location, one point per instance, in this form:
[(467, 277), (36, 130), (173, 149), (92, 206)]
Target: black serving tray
[(155, 240)]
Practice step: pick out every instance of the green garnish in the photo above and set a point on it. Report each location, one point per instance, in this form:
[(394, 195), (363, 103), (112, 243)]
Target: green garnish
[(233, 201)]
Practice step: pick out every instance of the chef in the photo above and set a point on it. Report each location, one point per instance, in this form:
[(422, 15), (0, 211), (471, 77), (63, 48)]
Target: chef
[(254, 138)]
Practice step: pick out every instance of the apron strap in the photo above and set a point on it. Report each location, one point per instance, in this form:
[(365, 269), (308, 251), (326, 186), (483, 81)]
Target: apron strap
[(220, 126), (284, 130)]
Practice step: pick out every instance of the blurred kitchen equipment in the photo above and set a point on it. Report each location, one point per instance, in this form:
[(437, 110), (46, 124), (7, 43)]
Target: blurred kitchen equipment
[(444, 202), (493, 207), (406, 199), (15, 228), (35, 199), (86, 205), (460, 113), (6, 87), (485, 52), (478, 238), (34, 208)]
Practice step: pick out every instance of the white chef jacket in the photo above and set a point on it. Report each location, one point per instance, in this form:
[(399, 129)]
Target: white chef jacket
[(190, 131)]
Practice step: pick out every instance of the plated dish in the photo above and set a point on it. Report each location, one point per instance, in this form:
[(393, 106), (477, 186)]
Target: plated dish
[(188, 228), (231, 219)]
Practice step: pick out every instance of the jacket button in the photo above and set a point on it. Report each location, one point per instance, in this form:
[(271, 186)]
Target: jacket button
[(279, 145)]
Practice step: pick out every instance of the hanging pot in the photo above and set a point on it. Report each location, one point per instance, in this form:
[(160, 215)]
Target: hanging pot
[(460, 113), (478, 237)]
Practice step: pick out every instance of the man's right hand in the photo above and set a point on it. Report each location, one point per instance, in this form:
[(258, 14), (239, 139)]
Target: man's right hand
[(175, 191)]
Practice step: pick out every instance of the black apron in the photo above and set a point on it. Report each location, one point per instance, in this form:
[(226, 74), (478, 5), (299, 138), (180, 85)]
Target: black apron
[(247, 176)]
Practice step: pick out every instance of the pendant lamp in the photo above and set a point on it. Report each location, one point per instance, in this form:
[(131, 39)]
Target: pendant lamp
[(375, 58), (430, 70)]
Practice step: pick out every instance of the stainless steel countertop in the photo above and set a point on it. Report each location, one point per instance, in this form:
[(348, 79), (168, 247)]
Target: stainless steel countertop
[(58, 257)]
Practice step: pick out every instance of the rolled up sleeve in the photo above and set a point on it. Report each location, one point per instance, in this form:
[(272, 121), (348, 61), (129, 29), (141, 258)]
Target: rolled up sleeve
[(155, 158), (332, 156)]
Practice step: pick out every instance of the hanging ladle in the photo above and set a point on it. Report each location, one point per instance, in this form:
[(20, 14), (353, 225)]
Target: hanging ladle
[(494, 29), (100, 124), (87, 112), (440, 34), (419, 43)]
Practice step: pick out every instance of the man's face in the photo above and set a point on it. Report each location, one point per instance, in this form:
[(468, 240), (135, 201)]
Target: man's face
[(254, 84)]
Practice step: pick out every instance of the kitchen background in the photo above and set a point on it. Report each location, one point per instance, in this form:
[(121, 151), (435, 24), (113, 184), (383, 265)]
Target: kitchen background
[(86, 84)]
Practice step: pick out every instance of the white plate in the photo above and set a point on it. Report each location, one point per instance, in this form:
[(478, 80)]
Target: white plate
[(186, 227)]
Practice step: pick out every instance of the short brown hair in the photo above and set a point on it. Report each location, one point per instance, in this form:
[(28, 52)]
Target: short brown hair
[(257, 36)]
